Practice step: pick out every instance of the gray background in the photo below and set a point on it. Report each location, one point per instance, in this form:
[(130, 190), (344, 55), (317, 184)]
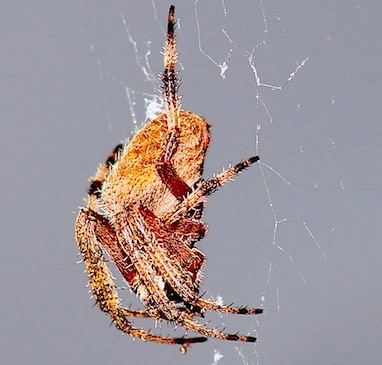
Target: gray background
[(64, 67)]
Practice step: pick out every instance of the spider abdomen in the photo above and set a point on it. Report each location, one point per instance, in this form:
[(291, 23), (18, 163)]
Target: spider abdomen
[(135, 175)]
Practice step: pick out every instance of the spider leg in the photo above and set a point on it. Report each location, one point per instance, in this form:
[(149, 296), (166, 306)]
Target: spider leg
[(184, 287), (159, 271), (208, 187), (189, 230), (106, 236), (165, 269), (192, 261), (127, 312), (177, 282), (103, 286), (97, 181), (168, 174), (193, 199), (202, 329), (178, 263), (129, 266), (170, 86), (170, 78), (185, 259), (131, 250), (210, 305)]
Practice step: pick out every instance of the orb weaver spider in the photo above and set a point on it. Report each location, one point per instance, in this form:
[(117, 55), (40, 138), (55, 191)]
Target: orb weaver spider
[(144, 208)]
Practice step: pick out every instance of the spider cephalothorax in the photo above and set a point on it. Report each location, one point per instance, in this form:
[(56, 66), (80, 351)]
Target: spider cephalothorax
[(144, 209)]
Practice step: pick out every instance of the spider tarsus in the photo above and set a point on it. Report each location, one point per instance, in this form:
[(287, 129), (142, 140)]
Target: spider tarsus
[(233, 337), (171, 22), (97, 182), (184, 340), (246, 163), (246, 310), (112, 159), (253, 159), (185, 346), (95, 188), (243, 310), (237, 337)]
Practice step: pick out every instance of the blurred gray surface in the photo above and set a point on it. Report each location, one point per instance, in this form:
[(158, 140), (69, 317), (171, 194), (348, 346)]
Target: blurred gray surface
[(302, 230)]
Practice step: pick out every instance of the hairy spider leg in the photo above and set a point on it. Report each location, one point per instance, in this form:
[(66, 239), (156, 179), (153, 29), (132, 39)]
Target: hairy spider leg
[(104, 290), (195, 198), (164, 269), (176, 241), (140, 252), (208, 187), (170, 177), (103, 286), (188, 294), (210, 305), (202, 329), (170, 78), (170, 85), (97, 181), (129, 266), (174, 314), (170, 270)]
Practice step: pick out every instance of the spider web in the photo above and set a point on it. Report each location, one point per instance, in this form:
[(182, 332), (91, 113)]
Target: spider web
[(288, 81)]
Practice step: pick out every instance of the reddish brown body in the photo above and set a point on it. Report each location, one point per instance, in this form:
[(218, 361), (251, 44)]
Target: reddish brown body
[(144, 209)]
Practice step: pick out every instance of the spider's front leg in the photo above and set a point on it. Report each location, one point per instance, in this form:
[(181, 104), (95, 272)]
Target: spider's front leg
[(208, 187), (89, 230), (170, 86)]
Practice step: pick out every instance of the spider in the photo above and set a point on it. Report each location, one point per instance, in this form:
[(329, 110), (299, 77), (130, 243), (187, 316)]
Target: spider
[(144, 209)]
